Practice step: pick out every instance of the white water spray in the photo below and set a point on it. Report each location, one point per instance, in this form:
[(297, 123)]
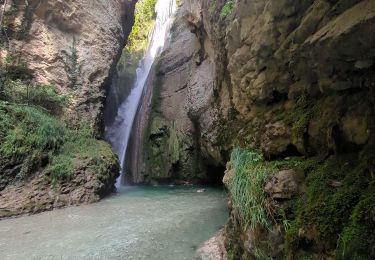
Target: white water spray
[(119, 132)]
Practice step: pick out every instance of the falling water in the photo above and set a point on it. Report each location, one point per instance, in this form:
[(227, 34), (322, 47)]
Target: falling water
[(118, 133)]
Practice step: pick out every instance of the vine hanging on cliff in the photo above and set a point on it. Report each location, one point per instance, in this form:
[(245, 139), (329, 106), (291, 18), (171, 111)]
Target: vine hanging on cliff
[(72, 66)]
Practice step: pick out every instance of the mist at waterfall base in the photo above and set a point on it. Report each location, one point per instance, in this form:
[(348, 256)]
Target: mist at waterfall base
[(118, 133)]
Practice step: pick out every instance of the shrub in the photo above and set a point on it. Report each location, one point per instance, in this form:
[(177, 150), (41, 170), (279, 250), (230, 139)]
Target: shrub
[(79, 146), (15, 68), (43, 96), (47, 97), (28, 135), (226, 10)]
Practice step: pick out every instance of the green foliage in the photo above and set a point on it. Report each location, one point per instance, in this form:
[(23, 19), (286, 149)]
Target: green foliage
[(226, 10), (298, 117), (79, 143), (32, 138), (72, 66), (328, 207), (143, 21), (47, 97), (15, 68), (246, 184), (42, 96), (246, 187), (27, 135), (337, 205), (137, 41), (357, 241)]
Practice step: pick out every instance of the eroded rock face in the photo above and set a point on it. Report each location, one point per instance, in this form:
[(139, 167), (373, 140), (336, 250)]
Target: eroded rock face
[(100, 29), (284, 184), (91, 181), (181, 108), (284, 77), (44, 35)]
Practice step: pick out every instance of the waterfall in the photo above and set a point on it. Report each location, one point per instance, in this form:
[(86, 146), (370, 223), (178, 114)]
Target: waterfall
[(118, 133)]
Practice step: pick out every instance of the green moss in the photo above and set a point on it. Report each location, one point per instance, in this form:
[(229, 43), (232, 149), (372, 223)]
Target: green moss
[(336, 209), (246, 185), (334, 194), (226, 10), (80, 146), (162, 148), (357, 241), (298, 117)]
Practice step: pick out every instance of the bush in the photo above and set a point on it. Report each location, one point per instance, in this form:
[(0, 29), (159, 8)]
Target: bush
[(47, 97), (28, 135), (79, 146), (43, 96), (143, 21), (226, 10), (31, 139)]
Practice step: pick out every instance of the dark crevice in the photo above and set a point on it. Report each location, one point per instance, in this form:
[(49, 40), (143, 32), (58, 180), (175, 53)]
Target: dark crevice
[(277, 97), (214, 175), (290, 151)]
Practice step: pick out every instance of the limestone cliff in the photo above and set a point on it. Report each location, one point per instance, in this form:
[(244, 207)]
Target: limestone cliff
[(293, 81), (177, 107), (41, 33), (57, 59)]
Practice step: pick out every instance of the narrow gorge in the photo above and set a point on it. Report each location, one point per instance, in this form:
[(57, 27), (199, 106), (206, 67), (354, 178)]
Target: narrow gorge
[(248, 124)]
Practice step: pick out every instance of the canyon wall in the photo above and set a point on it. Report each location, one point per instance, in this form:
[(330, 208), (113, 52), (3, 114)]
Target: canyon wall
[(42, 34), (71, 48), (292, 82)]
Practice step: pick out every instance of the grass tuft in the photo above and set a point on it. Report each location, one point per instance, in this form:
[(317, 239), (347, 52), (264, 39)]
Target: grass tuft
[(246, 187)]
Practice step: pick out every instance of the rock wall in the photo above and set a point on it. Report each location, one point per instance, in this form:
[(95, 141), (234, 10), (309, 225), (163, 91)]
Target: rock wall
[(288, 79), (73, 46), (169, 150), (41, 33), (91, 182)]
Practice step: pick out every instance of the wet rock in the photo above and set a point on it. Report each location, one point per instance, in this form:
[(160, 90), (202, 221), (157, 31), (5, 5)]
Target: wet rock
[(213, 249), (284, 184), (276, 139), (363, 64)]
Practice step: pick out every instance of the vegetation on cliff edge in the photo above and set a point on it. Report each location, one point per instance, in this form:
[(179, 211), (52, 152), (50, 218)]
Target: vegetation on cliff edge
[(138, 39), (334, 215), (33, 135)]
